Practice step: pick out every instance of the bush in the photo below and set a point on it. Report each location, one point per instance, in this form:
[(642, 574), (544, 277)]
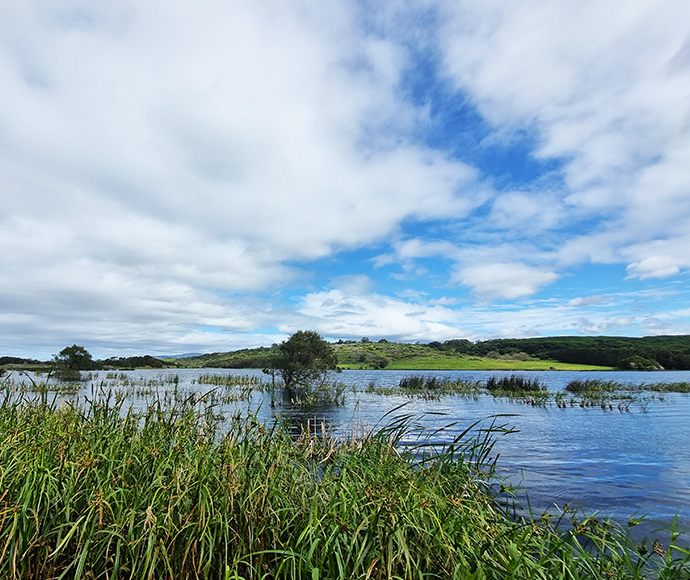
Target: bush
[(639, 363)]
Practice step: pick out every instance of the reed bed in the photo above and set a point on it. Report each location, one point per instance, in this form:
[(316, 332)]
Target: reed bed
[(594, 386), (673, 387), (516, 384), (174, 491), (232, 380), (434, 387)]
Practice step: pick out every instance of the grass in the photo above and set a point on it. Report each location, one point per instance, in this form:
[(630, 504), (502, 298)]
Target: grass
[(594, 386), (485, 364), (174, 492), (514, 384)]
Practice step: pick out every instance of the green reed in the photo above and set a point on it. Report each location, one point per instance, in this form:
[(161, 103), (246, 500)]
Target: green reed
[(175, 491), (594, 386), (232, 380), (428, 387), (516, 384)]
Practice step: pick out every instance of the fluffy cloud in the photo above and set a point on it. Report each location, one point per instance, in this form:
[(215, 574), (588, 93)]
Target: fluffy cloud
[(653, 267), (202, 147), (505, 281), (604, 87), (193, 174), (352, 309)]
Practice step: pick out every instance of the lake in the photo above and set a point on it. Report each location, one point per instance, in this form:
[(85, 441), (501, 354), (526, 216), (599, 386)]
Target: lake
[(619, 463)]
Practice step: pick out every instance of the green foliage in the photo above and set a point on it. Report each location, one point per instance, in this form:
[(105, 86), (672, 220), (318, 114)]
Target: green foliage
[(75, 358), (450, 362), (70, 361), (133, 362), (304, 363), (639, 363)]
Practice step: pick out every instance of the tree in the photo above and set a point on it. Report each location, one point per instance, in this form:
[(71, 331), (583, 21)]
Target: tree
[(304, 362), (74, 358)]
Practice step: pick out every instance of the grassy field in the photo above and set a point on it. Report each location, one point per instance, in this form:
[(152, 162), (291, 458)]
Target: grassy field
[(486, 364), (174, 492)]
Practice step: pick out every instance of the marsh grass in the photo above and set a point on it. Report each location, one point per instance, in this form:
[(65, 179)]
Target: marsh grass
[(176, 491), (233, 380), (674, 387), (515, 384), (427, 387), (595, 386)]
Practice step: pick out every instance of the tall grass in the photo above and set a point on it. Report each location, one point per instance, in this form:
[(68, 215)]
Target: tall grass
[(433, 385), (173, 492), (516, 384)]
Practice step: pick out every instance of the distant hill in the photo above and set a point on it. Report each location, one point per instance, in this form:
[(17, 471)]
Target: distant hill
[(558, 352), (654, 352), (251, 358)]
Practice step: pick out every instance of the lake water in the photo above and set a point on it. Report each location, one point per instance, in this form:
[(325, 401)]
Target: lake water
[(621, 464)]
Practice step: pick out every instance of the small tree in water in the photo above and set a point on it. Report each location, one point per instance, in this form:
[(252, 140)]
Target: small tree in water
[(72, 359), (304, 362)]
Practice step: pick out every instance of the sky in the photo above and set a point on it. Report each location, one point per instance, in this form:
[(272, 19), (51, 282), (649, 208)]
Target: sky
[(203, 176)]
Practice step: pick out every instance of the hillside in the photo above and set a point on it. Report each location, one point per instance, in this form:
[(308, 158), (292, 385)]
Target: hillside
[(561, 353), (382, 355)]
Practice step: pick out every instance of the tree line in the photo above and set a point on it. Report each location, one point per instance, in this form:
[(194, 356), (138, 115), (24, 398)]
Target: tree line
[(669, 352)]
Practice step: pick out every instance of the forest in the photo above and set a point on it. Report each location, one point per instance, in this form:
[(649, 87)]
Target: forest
[(669, 352)]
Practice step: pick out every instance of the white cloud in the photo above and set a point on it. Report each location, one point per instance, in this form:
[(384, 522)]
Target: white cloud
[(527, 213), (352, 311), (202, 147), (587, 301), (604, 87), (653, 267), (505, 281), (163, 166)]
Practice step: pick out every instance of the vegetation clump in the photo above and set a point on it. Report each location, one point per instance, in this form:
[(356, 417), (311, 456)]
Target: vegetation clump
[(672, 387), (305, 362), (639, 363), (515, 384), (593, 386), (436, 385)]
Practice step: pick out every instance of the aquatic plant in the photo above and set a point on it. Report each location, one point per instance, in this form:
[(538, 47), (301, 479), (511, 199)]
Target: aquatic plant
[(435, 384), (232, 380), (514, 384), (594, 385)]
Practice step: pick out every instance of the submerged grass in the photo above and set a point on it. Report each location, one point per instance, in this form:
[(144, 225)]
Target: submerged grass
[(173, 492)]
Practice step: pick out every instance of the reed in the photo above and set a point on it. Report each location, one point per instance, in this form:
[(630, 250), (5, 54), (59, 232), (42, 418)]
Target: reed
[(516, 384), (232, 380), (677, 387), (174, 491), (594, 386), (435, 384)]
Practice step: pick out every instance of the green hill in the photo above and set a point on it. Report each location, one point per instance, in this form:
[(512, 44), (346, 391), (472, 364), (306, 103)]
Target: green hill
[(560, 353)]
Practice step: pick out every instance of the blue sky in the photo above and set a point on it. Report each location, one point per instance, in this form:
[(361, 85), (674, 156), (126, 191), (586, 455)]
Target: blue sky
[(212, 175)]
